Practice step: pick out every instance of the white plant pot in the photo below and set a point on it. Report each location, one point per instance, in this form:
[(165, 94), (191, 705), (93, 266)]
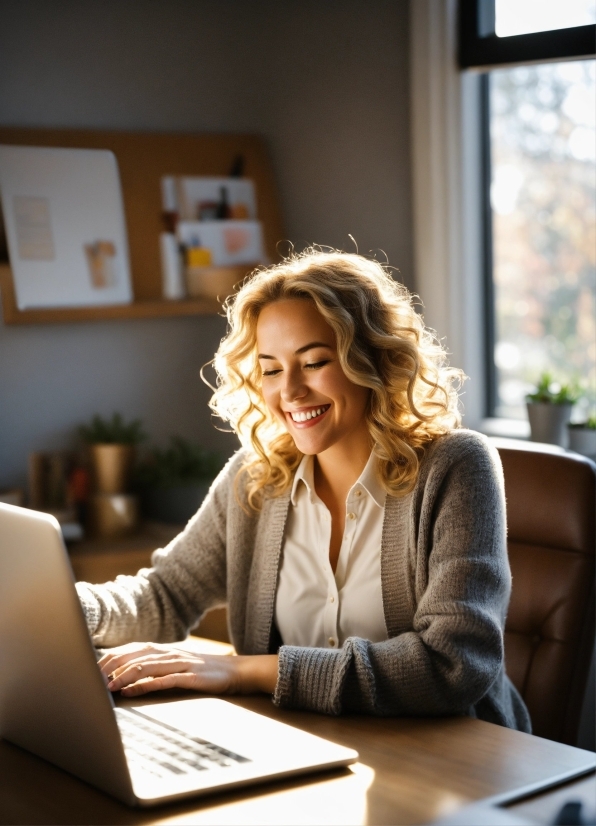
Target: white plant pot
[(548, 422), (583, 440)]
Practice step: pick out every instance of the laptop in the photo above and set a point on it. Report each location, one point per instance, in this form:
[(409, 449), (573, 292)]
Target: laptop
[(54, 703)]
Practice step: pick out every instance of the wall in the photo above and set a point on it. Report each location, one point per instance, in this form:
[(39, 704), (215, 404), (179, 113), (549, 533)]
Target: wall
[(326, 83)]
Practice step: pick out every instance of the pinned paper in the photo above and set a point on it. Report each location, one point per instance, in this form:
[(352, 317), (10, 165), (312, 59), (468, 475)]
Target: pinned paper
[(236, 239), (101, 258), (34, 230), (230, 243)]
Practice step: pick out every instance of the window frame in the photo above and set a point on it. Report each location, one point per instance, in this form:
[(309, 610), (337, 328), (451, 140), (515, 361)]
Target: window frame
[(480, 48), (488, 283)]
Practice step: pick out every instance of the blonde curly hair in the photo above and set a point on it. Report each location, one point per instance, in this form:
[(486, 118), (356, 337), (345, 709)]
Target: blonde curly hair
[(382, 344)]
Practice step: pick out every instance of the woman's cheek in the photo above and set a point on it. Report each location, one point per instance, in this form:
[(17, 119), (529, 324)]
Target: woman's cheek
[(272, 403)]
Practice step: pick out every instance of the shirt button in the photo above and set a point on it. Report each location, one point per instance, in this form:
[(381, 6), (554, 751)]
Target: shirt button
[(351, 516), (331, 641), (331, 599), (358, 493)]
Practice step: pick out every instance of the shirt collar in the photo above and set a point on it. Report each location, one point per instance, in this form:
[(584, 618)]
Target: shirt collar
[(305, 474), (368, 480)]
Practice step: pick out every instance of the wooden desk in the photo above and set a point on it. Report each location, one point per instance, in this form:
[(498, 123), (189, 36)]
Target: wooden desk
[(410, 771)]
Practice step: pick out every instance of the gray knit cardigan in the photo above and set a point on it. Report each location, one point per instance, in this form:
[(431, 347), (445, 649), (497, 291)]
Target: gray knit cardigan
[(445, 584)]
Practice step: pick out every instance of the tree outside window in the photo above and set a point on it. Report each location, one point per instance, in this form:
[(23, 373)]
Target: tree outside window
[(543, 198)]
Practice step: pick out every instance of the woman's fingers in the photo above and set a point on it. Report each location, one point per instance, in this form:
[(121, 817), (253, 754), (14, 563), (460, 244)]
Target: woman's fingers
[(117, 657), (170, 669), (144, 667), (137, 668), (182, 680)]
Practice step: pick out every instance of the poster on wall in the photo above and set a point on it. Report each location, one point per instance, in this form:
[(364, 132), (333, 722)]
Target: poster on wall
[(65, 227)]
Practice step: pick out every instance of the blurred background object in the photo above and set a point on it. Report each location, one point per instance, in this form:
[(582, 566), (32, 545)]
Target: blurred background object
[(173, 481), (58, 484), (549, 408), (112, 510), (582, 437)]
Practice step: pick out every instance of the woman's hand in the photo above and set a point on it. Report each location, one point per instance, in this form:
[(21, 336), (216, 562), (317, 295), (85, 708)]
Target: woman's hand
[(138, 668)]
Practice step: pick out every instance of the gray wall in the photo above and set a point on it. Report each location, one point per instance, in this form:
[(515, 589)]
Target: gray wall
[(325, 82)]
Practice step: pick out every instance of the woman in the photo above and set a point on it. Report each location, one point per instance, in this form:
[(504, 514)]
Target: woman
[(358, 538)]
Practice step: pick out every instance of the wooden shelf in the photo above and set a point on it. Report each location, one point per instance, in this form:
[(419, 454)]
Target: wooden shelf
[(156, 308), (143, 158)]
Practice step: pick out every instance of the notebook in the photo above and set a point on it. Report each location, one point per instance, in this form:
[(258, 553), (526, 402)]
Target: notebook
[(54, 703)]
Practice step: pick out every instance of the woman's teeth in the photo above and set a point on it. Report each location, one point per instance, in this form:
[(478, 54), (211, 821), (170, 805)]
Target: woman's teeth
[(310, 414)]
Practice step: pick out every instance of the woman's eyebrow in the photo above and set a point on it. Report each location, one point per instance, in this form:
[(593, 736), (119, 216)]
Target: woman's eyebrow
[(300, 350)]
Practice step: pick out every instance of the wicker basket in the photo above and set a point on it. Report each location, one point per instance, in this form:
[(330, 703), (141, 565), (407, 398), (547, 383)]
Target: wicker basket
[(214, 282)]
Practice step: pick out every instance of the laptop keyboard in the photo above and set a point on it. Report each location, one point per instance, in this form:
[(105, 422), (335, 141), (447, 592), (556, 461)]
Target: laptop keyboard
[(163, 751)]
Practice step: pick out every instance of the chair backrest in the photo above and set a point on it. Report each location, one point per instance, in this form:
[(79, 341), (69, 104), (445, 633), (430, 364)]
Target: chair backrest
[(549, 633)]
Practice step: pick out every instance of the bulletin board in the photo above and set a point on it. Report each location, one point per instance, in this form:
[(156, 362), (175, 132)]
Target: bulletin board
[(143, 158)]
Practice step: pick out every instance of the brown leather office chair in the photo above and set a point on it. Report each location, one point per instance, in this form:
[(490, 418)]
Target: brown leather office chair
[(549, 633)]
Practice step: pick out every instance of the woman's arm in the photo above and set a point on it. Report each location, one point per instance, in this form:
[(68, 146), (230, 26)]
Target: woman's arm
[(187, 578)]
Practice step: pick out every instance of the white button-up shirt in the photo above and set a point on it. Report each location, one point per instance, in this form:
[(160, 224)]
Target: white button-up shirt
[(315, 607)]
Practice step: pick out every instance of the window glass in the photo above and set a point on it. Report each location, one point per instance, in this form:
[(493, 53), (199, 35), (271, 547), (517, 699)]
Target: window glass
[(543, 191), (526, 16)]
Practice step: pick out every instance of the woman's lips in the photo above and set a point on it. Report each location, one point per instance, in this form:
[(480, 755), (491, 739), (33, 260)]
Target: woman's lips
[(308, 417)]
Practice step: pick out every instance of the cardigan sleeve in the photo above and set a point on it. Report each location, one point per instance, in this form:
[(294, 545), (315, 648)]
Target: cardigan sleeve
[(188, 577), (452, 654)]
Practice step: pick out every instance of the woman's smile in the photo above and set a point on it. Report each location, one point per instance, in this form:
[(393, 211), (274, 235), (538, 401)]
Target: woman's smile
[(308, 417), (303, 383)]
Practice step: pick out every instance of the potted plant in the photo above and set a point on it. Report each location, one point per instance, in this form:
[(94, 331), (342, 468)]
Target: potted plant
[(582, 437), (111, 511), (549, 410), (173, 481), (112, 445)]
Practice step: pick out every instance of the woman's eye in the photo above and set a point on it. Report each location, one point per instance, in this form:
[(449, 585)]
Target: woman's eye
[(315, 365)]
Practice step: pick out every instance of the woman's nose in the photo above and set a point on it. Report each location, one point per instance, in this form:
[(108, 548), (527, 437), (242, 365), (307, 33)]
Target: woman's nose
[(292, 387)]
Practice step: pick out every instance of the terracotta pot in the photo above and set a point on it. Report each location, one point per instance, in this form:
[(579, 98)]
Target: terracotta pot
[(113, 515), (112, 465), (548, 422)]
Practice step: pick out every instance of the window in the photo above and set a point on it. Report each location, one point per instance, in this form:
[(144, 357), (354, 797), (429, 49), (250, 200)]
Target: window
[(542, 195), (540, 192), (528, 16)]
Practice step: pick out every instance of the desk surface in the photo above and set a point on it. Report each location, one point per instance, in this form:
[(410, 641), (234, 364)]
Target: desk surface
[(410, 771)]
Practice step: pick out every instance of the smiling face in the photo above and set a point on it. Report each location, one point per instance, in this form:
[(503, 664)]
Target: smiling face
[(303, 383)]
